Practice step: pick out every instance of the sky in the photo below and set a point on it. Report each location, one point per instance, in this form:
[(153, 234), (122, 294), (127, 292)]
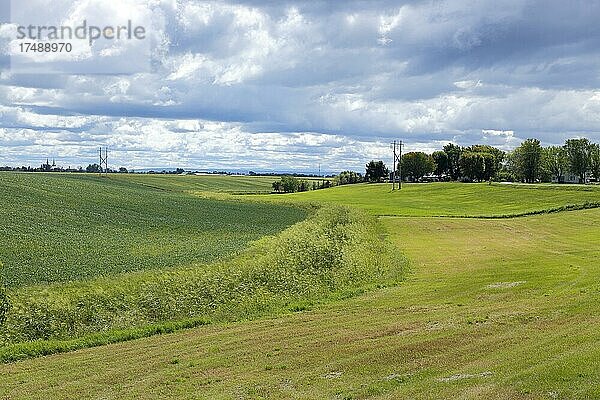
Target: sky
[(291, 85)]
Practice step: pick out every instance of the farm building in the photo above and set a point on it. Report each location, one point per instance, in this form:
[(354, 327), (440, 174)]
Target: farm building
[(569, 177)]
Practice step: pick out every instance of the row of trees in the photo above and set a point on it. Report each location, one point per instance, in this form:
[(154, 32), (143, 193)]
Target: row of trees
[(530, 162), (478, 162), (347, 178), (291, 184)]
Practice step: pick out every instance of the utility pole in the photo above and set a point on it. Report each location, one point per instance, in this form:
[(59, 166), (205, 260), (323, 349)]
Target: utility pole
[(394, 166), (104, 160), (396, 147), (400, 164), (321, 177)]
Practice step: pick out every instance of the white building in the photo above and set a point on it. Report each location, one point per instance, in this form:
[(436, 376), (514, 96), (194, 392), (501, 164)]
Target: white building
[(569, 177)]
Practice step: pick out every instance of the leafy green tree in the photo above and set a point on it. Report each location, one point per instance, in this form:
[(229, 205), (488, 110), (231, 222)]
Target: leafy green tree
[(491, 166), (578, 154), (441, 163), (492, 157), (472, 165), (93, 168), (348, 178), (376, 171), (509, 172), (277, 187), (4, 302), (527, 159), (416, 165), (555, 162), (303, 186), (289, 184), (595, 161), (453, 152)]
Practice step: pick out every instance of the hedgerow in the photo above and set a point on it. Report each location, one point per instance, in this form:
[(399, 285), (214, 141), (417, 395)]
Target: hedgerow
[(337, 251)]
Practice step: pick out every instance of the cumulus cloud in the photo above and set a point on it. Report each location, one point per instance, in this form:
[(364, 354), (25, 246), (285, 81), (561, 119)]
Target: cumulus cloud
[(292, 84)]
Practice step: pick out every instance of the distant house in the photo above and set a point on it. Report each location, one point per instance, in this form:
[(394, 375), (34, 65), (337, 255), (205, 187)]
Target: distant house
[(569, 177)]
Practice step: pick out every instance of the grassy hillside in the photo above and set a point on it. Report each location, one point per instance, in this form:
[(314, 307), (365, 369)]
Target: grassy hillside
[(91, 260), (494, 309), (67, 227), (450, 199), (336, 252)]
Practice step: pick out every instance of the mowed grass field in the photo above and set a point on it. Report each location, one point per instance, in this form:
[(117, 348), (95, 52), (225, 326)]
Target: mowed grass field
[(450, 199), (492, 308), (63, 227)]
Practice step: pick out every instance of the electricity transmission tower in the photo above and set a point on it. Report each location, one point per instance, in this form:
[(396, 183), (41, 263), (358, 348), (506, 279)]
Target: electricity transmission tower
[(104, 161), (396, 147)]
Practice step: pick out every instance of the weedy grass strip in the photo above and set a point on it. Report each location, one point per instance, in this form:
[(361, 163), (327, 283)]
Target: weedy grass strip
[(334, 253)]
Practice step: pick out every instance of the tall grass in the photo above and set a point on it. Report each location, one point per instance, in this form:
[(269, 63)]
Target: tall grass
[(4, 303), (335, 252)]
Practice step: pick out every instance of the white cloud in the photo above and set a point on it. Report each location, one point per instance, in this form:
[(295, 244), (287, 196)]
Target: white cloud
[(295, 82)]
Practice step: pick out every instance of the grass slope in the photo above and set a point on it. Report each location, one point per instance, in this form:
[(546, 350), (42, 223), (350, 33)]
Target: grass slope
[(57, 227), (494, 309), (336, 252), (450, 199)]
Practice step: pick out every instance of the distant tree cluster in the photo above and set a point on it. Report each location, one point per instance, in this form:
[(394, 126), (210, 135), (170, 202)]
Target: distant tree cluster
[(91, 168), (41, 168), (347, 178), (474, 163), (416, 165), (96, 168), (529, 163), (376, 171), (291, 184)]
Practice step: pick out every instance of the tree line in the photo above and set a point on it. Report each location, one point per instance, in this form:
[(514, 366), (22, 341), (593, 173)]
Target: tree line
[(91, 168), (529, 163), (292, 184)]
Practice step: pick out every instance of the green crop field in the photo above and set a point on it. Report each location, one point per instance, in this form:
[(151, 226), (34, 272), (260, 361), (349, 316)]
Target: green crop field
[(490, 308), (201, 183), (67, 227), (90, 260)]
